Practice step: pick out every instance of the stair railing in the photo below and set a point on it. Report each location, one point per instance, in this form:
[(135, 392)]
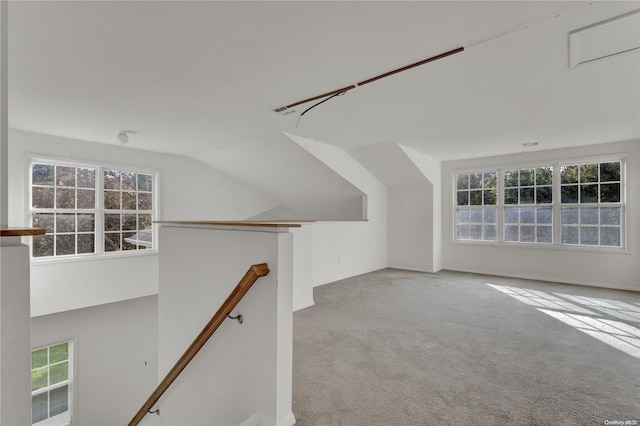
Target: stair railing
[(252, 275)]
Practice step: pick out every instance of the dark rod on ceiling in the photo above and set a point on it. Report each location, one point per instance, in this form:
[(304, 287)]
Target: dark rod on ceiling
[(371, 80), (417, 64), (333, 92)]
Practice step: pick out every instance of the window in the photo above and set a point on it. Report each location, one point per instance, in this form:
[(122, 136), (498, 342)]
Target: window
[(89, 209), (591, 204), (562, 203), (476, 214), (528, 215), (51, 385)]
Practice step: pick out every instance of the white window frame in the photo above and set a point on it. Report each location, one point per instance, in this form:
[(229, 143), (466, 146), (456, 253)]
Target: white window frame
[(99, 210), (65, 418), (556, 205)]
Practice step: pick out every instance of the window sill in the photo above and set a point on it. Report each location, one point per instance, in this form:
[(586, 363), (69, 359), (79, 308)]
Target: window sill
[(558, 247), (92, 257)]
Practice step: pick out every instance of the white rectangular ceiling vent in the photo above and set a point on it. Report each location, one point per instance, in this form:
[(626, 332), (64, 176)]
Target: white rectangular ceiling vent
[(606, 38)]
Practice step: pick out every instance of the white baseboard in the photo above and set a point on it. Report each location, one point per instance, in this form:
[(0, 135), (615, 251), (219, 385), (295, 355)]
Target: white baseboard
[(259, 419)]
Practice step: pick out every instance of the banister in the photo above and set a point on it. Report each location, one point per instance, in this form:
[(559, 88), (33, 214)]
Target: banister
[(251, 276)]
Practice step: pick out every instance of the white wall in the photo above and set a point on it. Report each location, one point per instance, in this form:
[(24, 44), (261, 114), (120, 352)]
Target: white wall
[(411, 241), (613, 269), (188, 190), (115, 357), (244, 368), (344, 249)]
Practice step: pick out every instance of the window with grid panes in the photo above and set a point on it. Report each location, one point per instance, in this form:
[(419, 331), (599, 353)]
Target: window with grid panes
[(90, 209), (51, 385), (592, 204), (476, 214), (528, 209)]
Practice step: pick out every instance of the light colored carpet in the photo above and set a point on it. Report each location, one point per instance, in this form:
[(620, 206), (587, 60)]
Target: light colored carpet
[(406, 348)]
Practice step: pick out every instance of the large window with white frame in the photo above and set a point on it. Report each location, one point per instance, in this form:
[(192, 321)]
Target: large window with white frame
[(560, 203), (51, 385), (89, 209)]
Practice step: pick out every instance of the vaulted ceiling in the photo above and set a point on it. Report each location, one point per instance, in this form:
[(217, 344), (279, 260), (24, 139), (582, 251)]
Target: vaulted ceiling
[(202, 78)]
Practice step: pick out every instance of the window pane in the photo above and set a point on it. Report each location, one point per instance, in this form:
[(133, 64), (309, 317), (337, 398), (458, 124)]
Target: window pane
[(490, 232), (570, 235), (511, 233), (145, 182), (65, 222), (589, 193), (475, 232), (475, 216), (129, 201), (112, 241), (111, 179), (145, 200), (462, 181), (610, 193), (589, 235), (569, 216), (610, 172), (66, 176), (462, 232), (490, 216), (86, 222), (527, 215), (86, 243), (65, 244), (112, 222), (129, 222), (144, 221), (569, 174), (475, 180), (42, 198), (128, 181), (463, 198), (544, 234), (112, 200), (39, 378), (463, 216), (527, 177), (58, 400), (86, 178), (511, 196), (610, 216), (589, 173), (128, 241), (511, 178), (476, 198), (544, 216), (43, 221), (569, 194), (39, 407), (39, 358), (58, 373), (544, 195), (42, 245), (58, 353), (527, 234), (610, 236), (42, 174), (544, 176), (490, 180), (511, 216), (86, 198), (526, 195), (65, 198), (589, 216)]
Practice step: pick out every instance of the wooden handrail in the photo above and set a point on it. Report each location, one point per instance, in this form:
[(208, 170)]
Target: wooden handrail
[(252, 275)]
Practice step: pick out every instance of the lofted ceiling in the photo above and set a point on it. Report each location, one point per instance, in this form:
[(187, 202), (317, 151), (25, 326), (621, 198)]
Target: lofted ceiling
[(194, 77)]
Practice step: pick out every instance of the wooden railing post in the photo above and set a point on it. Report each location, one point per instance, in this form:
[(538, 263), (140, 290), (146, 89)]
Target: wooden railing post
[(252, 275)]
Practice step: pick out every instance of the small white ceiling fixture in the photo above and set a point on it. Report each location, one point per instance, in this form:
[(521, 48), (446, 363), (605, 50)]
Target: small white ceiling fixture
[(123, 136)]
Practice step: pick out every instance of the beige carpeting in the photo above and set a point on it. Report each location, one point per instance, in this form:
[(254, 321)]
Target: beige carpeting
[(406, 348)]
